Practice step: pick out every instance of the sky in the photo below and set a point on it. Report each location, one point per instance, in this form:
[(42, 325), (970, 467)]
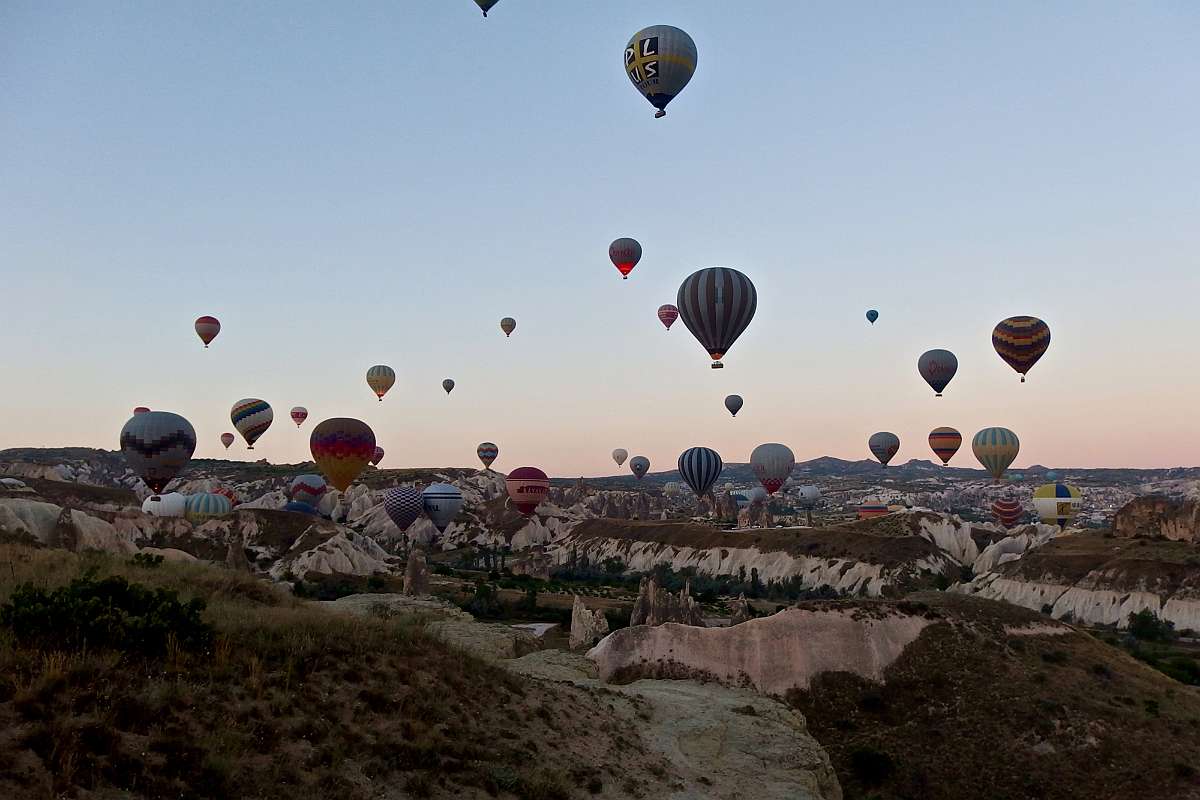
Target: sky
[(378, 182)]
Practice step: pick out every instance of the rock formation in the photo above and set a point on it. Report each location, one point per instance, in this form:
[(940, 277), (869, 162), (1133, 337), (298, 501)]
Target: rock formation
[(726, 507), (416, 573), (1155, 515), (755, 515), (739, 610), (656, 606), (587, 627), (235, 557)]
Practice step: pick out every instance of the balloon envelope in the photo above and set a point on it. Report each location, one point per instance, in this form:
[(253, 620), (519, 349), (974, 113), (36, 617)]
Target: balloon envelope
[(733, 403), (442, 502), (342, 447), (307, 489), (625, 253), (207, 329), (299, 414), (206, 505), (619, 455), (995, 448), (717, 304), (403, 505), (884, 445), (227, 439), (1021, 341), (381, 378), (872, 315), (1007, 512), (937, 367), (172, 504), (448, 385), (140, 410), (667, 314), (772, 464), (251, 418), (639, 466), (1057, 503), (508, 325), (486, 5), (699, 468), (807, 497), (660, 60), (527, 487), (945, 443), (377, 455), (157, 445), (487, 453)]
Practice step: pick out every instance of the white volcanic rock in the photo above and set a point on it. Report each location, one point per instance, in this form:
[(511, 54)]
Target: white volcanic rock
[(53, 526), (344, 553), (20, 518), (1013, 547), (275, 499), (773, 654)]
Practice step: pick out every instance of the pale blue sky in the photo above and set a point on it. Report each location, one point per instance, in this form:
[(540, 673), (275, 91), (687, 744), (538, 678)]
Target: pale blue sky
[(361, 183)]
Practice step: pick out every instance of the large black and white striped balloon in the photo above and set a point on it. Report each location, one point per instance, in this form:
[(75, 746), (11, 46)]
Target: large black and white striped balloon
[(700, 467), (716, 304)]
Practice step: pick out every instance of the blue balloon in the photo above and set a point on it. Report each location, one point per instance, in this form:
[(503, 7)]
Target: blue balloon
[(872, 315)]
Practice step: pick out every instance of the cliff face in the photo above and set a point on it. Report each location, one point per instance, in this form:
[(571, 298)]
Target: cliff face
[(1174, 519), (1095, 579)]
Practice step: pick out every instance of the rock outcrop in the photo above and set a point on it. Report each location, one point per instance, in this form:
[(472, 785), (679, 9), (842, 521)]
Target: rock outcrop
[(1174, 519), (416, 573), (772, 654), (587, 627), (657, 606), (739, 610)]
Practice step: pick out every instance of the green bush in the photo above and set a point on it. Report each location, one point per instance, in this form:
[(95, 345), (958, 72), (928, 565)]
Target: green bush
[(1146, 625), (871, 766), (109, 613), (146, 560)]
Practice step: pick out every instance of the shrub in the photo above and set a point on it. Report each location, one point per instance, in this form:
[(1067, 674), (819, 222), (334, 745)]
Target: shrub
[(146, 560), (109, 613), (1146, 625), (871, 766)]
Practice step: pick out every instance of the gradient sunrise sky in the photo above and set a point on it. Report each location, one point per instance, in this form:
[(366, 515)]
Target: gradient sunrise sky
[(380, 182)]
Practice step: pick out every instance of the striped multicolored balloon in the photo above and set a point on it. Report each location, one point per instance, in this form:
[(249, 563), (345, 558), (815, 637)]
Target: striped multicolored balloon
[(207, 505), (299, 414), (251, 418), (227, 439), (1021, 341), (1007, 512), (342, 447), (1057, 503), (996, 449), (527, 487), (884, 446), (717, 304), (307, 489), (377, 456), (667, 314), (945, 443), (381, 378), (487, 453)]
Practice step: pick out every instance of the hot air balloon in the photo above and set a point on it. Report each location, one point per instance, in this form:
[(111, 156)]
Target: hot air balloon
[(251, 418), (1021, 341), (377, 456), (227, 492), (872, 315), (733, 402), (872, 508), (441, 502), (342, 447), (772, 464), (639, 466), (625, 253), (486, 5), (207, 329), (660, 60), (1007, 511), (227, 439), (884, 446), (807, 497), (716, 305), (1052, 476), (945, 443), (448, 385), (937, 367), (487, 453), (381, 378), (667, 314), (995, 448), (205, 506), (527, 487), (172, 504), (508, 325), (403, 505), (671, 488), (140, 410), (157, 445), (1056, 503), (619, 455), (699, 467), (299, 414), (307, 489)]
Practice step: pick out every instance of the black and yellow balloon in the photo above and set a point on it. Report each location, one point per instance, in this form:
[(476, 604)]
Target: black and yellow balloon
[(660, 60)]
